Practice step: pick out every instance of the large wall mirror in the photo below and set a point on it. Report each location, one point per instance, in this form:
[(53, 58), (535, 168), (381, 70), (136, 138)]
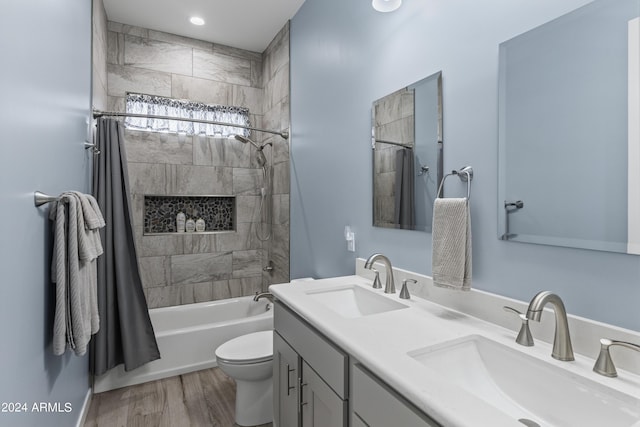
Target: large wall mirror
[(407, 154), (569, 130)]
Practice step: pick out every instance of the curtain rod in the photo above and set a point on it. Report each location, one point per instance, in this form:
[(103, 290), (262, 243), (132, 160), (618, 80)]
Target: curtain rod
[(97, 114)]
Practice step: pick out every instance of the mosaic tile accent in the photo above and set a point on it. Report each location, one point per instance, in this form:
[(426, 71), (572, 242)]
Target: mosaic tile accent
[(218, 212)]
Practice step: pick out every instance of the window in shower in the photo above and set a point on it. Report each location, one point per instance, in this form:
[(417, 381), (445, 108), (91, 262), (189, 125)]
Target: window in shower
[(162, 106)]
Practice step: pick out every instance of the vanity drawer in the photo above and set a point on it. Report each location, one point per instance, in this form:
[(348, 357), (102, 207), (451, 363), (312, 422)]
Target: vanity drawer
[(324, 357), (375, 404)]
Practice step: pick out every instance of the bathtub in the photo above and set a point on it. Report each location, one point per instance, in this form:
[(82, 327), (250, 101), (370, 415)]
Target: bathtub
[(188, 335)]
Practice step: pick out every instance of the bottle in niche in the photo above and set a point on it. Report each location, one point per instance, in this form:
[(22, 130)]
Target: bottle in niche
[(180, 222), (190, 226), (200, 226)]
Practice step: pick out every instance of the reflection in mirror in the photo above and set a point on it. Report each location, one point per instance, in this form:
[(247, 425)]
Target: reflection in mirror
[(407, 154), (569, 110)]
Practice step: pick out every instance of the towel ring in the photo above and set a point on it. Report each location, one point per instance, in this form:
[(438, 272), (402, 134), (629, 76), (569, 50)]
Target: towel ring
[(465, 174)]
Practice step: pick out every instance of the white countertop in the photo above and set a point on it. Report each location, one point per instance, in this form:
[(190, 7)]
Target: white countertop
[(381, 343)]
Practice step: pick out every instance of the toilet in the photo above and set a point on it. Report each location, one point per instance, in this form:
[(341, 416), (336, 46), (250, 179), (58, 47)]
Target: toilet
[(248, 359)]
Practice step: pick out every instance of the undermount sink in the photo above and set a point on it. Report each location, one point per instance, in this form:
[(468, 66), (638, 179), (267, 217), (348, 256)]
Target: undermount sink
[(530, 390), (353, 301)]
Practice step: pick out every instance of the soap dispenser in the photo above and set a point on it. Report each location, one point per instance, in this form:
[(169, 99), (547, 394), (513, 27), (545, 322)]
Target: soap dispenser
[(180, 222)]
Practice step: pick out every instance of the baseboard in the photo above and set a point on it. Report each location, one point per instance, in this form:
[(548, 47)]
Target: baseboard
[(85, 409)]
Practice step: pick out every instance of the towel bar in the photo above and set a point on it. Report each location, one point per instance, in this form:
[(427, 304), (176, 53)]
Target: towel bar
[(40, 198), (91, 146), (465, 174)]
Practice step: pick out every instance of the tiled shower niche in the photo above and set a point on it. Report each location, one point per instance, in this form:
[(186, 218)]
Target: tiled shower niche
[(218, 212)]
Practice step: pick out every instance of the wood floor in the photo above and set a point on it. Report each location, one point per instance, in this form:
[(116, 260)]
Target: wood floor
[(203, 398)]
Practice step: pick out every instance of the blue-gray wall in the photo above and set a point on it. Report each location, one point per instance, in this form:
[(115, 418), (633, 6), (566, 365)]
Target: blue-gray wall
[(45, 85), (344, 55), (561, 109)]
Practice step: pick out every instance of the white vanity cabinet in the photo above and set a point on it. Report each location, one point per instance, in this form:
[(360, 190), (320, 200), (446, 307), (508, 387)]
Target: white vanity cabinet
[(311, 383), (321, 406), (374, 404), (310, 375), (286, 374)]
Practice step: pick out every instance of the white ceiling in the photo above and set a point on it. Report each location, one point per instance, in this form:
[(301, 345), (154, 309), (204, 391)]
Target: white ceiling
[(245, 24)]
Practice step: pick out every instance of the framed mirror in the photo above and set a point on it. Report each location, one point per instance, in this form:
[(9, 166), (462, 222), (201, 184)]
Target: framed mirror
[(569, 130), (407, 154)]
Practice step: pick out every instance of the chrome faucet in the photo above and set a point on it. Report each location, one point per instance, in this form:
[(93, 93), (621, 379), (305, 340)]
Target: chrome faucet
[(604, 365), (267, 295), (404, 292), (562, 349), (524, 336), (389, 286), (376, 279)]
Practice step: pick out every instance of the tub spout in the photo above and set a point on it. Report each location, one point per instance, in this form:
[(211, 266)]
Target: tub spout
[(267, 295)]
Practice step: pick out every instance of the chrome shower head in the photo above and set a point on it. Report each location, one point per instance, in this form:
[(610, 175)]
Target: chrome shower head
[(245, 140), (241, 138), (260, 157)]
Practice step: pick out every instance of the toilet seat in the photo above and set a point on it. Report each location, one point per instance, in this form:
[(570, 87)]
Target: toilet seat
[(247, 349)]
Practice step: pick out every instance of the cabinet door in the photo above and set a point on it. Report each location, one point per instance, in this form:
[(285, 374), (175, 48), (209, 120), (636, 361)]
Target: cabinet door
[(375, 404), (321, 406), (286, 372), (326, 359), (356, 421)]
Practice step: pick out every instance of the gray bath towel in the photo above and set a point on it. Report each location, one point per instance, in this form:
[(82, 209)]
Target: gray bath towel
[(92, 215), (451, 255), (89, 221), (73, 269)]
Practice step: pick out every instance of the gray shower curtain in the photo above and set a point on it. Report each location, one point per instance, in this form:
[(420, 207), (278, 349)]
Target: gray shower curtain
[(126, 334), (405, 217)]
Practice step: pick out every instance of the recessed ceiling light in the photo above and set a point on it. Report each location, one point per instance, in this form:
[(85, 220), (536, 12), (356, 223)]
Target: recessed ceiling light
[(196, 20), (386, 5)]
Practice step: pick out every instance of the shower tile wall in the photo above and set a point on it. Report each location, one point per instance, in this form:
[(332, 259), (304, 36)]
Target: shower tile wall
[(275, 74), (188, 268), (99, 56), (394, 119), (385, 184)]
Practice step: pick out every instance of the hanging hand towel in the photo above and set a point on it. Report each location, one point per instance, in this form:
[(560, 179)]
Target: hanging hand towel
[(451, 255)]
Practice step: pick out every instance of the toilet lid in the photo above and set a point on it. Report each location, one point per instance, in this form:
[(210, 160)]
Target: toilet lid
[(245, 349)]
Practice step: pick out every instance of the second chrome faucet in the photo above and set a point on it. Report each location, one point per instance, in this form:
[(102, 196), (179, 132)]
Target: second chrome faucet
[(562, 349), (390, 287)]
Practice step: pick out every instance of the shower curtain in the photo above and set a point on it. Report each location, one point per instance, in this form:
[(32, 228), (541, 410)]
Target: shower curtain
[(404, 190), (126, 334)]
